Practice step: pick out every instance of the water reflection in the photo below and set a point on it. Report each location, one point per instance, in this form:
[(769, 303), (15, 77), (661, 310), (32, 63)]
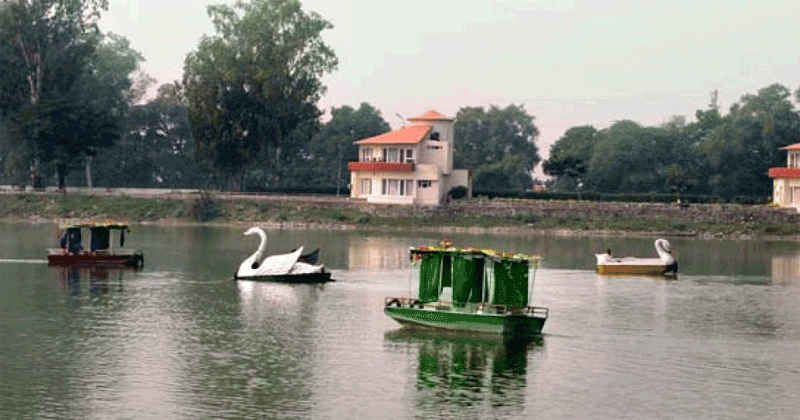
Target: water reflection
[(276, 336), (378, 252), (457, 372), (786, 269), (261, 301), (96, 281)]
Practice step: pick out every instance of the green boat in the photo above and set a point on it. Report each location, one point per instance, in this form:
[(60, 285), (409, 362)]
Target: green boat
[(471, 289)]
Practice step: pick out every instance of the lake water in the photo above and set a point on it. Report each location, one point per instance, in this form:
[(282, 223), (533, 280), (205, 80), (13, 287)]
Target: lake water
[(181, 340)]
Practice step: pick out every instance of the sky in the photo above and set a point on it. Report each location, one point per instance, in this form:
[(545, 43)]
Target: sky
[(568, 63)]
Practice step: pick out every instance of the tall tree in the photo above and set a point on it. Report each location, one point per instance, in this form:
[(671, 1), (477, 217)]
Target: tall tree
[(156, 150), (256, 82), (487, 137), (570, 155), (49, 57), (746, 143), (331, 148), (693, 171), (107, 86), (630, 158)]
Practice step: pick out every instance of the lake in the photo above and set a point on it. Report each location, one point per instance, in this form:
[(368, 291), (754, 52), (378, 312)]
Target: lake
[(180, 339)]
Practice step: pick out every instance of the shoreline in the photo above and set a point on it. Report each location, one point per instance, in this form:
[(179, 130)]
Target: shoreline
[(469, 216), (473, 230)]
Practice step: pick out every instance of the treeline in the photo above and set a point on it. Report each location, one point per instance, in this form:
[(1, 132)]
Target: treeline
[(245, 118), (725, 156)]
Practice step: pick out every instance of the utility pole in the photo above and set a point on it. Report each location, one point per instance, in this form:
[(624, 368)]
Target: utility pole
[(339, 176)]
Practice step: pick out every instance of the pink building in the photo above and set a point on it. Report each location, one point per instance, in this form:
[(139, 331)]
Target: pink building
[(786, 181), (411, 165)]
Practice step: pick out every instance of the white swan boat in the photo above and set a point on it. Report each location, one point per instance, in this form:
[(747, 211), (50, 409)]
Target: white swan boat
[(665, 264), (292, 267)]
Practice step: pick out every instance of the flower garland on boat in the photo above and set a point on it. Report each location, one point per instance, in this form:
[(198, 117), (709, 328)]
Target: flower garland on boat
[(447, 246)]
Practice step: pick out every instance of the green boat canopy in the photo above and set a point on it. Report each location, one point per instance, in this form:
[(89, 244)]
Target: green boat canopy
[(475, 275), (106, 224)]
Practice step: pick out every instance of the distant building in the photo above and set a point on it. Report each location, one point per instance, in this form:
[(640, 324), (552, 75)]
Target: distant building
[(411, 165), (786, 181)]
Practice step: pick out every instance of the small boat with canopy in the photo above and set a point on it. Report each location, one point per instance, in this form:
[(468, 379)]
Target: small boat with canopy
[(100, 252), (471, 289)]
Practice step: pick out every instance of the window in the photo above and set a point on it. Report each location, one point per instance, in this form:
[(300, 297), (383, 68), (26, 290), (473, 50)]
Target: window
[(398, 155), (366, 186), (366, 154), (391, 154), (433, 147), (423, 183), (409, 156), (407, 187), (397, 187)]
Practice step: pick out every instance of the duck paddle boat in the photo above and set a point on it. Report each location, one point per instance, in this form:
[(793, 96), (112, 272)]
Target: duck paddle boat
[(101, 251), (294, 267), (471, 290), (664, 265)]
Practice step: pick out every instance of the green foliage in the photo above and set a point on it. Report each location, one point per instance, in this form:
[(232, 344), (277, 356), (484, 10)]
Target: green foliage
[(205, 209), (458, 192), (156, 150), (629, 157), (497, 142), (323, 161), (726, 157), (252, 89), (64, 89), (620, 197), (339, 216), (747, 142), (570, 155)]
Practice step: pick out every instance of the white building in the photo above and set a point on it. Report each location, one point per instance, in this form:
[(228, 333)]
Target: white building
[(411, 165), (786, 181)]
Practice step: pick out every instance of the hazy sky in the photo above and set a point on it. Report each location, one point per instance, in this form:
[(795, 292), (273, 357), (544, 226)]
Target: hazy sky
[(568, 62)]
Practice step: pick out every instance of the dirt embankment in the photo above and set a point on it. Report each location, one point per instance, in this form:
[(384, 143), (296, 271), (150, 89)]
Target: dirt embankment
[(473, 215)]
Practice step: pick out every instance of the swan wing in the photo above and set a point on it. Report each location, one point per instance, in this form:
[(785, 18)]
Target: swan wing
[(278, 264), (306, 268)]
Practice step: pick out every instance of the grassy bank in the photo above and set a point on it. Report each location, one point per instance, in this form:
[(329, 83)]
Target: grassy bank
[(582, 218)]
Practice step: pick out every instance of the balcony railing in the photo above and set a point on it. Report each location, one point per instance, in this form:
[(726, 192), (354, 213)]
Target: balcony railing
[(380, 166)]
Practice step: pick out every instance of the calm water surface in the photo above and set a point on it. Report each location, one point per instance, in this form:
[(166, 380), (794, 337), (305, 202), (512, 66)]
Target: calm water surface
[(181, 340)]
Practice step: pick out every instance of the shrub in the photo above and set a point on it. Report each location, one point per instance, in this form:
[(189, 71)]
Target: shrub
[(205, 208), (457, 193)]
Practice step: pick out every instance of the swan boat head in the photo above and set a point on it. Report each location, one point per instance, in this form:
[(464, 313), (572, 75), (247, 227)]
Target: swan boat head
[(249, 266), (664, 251)]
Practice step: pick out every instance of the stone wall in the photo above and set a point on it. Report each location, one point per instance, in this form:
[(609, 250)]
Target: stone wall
[(722, 213)]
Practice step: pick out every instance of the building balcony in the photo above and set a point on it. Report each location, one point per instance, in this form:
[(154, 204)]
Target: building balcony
[(784, 173), (380, 167)]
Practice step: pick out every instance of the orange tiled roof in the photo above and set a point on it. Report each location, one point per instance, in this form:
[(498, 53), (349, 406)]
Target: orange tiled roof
[(412, 134), (431, 116), (795, 146), (784, 173)]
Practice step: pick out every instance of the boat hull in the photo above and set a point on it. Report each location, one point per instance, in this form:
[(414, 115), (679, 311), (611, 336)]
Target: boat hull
[(291, 278), (638, 269), (455, 320), (120, 260)]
